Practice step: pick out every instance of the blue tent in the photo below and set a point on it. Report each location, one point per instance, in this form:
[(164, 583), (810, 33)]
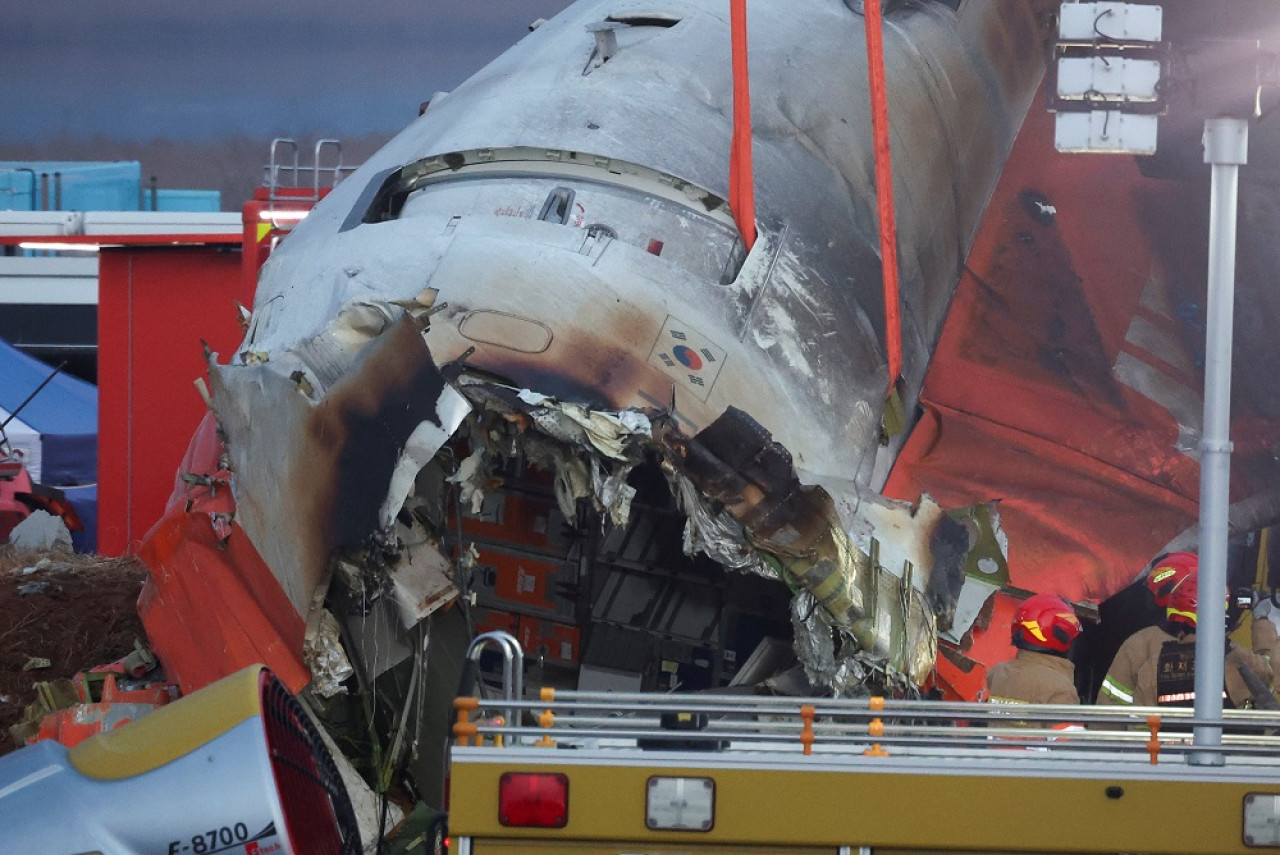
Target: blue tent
[(57, 431)]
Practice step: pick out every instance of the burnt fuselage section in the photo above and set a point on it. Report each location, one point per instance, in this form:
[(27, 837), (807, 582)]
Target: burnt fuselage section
[(520, 367)]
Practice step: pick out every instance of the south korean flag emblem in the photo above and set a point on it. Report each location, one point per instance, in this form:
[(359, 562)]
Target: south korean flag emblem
[(687, 356)]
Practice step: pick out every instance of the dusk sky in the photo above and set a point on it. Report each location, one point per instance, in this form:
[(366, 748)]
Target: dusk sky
[(199, 69)]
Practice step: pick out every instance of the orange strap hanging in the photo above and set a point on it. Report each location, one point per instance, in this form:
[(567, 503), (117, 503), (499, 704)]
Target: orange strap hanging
[(742, 194), (884, 187)]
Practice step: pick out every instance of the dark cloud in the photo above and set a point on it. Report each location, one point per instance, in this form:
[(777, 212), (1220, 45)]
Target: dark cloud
[(193, 69)]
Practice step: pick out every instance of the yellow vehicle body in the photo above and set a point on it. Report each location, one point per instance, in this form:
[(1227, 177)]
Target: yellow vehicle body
[(903, 778)]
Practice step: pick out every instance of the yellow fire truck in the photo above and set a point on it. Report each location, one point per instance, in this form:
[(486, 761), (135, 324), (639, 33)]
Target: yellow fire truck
[(646, 774)]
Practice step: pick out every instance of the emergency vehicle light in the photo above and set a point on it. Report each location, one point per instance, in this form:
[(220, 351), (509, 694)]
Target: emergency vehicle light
[(283, 214), (532, 800), (58, 246)]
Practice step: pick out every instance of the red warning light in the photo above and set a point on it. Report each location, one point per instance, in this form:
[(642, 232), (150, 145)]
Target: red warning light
[(533, 800)]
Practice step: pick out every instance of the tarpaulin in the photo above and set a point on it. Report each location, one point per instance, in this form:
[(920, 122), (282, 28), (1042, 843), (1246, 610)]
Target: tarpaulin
[(64, 414), (1067, 381)]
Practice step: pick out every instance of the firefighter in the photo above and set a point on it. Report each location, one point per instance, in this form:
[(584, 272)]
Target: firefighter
[(1265, 633), (1167, 572), (1156, 665), (1043, 629)]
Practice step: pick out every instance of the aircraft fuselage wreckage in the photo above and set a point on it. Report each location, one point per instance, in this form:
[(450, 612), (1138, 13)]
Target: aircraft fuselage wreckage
[(521, 371)]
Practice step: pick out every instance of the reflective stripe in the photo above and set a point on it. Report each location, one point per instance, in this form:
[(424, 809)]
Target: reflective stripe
[(1116, 691), (1179, 697), (1176, 698)]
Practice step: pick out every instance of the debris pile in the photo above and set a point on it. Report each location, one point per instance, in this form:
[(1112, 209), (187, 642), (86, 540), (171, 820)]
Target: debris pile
[(59, 613)]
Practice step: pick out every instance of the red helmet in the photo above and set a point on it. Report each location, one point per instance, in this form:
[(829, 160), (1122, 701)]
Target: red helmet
[(1181, 602), (1045, 622), (1167, 572)]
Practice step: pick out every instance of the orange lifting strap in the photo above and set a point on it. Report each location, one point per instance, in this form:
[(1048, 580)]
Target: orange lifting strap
[(884, 187), (742, 194)]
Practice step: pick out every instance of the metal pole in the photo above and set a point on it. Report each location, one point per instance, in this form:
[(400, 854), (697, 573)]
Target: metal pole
[(27, 400), (1226, 145)]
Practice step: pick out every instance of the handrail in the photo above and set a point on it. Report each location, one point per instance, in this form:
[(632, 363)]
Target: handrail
[(670, 701), (321, 145), (875, 726), (295, 192), (512, 668), (274, 168)]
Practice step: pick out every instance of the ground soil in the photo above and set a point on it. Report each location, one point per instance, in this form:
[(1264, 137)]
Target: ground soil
[(76, 611)]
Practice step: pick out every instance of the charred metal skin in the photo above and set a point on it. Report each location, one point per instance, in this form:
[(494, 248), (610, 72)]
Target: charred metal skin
[(735, 462), (563, 212), (543, 269), (643, 138)]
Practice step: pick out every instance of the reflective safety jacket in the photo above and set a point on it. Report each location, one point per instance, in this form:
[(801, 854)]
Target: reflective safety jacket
[(1156, 668), (1032, 677)]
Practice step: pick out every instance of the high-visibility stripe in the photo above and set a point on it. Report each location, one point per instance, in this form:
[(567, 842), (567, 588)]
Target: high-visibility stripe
[(1180, 697), (1116, 691), (1033, 627), (1176, 697)]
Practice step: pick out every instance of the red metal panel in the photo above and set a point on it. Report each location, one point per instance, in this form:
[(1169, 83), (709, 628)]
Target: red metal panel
[(519, 582), (212, 607), (558, 642), (489, 620), (519, 521), (961, 674), (155, 305), (1084, 274)]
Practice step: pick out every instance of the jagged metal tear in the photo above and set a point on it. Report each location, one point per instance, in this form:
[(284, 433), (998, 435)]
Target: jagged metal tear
[(879, 573), (427, 439), (837, 546)]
